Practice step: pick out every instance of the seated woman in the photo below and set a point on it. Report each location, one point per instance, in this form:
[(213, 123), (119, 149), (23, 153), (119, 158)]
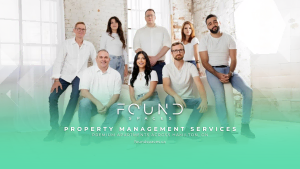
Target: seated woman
[(142, 87)]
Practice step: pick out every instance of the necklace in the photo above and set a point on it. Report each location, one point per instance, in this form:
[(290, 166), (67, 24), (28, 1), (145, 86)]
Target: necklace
[(141, 75)]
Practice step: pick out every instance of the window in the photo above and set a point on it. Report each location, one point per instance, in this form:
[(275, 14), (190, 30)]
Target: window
[(28, 32), (136, 19)]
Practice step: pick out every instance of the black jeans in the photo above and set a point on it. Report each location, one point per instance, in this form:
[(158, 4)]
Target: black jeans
[(158, 68)]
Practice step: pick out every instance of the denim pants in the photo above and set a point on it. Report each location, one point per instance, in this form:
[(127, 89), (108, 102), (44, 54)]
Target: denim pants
[(118, 63), (53, 103), (152, 101), (218, 89), (191, 104), (158, 68), (87, 109), (192, 61)]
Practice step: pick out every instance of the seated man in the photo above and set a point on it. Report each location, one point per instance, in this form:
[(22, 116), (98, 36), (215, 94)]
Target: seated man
[(69, 64), (178, 80), (101, 87), (215, 50)]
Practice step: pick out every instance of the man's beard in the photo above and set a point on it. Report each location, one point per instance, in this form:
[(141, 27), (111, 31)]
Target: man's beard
[(178, 59), (216, 31)]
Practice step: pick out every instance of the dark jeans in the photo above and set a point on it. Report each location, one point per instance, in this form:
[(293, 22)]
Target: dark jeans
[(158, 68), (53, 103), (192, 61)]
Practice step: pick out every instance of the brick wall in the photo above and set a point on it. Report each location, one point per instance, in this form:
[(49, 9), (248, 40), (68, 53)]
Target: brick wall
[(182, 11), (275, 78), (95, 14)]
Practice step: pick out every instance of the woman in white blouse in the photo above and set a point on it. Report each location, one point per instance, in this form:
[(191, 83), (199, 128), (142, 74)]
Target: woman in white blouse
[(190, 43), (114, 42), (142, 87)]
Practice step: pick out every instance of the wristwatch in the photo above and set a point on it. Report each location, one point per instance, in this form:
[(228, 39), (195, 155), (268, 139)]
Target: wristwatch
[(231, 73), (56, 80)]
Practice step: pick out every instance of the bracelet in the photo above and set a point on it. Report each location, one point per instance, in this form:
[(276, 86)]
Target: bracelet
[(56, 80), (198, 61)]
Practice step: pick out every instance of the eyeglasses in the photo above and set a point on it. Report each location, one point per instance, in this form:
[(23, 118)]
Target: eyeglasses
[(148, 16), (79, 29), (178, 50)]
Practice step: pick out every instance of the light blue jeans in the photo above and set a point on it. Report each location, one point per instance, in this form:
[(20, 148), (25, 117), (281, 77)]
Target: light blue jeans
[(87, 109), (218, 89), (117, 63), (192, 103), (152, 101)]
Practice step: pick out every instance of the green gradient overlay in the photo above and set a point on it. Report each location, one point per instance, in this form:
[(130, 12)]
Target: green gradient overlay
[(276, 146)]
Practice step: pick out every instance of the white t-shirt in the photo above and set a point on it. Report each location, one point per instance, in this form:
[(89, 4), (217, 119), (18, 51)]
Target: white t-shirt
[(101, 85), (181, 80), (217, 48), (151, 40), (113, 45), (140, 83), (189, 50)]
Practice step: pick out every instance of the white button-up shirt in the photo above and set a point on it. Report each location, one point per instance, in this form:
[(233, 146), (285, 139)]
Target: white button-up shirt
[(72, 60), (101, 85), (151, 40)]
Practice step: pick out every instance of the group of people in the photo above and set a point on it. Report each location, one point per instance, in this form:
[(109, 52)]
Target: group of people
[(100, 84)]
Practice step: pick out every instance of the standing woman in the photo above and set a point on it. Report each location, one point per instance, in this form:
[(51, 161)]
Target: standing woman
[(142, 88), (114, 42), (190, 43)]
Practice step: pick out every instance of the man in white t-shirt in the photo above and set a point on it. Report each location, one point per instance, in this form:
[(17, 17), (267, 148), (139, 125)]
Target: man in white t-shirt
[(101, 87), (178, 78), (215, 50), (155, 41)]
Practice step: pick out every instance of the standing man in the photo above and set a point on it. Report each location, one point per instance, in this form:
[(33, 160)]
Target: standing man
[(178, 78), (155, 41), (101, 87), (215, 50), (67, 70)]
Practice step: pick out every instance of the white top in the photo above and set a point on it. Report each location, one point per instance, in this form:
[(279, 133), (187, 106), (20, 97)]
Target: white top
[(189, 50), (71, 60), (217, 48), (181, 80), (151, 40), (113, 45), (140, 83), (101, 85)]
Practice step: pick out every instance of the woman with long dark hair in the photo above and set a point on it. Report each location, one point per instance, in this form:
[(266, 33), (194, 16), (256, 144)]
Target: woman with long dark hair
[(190, 43), (142, 88), (114, 42)]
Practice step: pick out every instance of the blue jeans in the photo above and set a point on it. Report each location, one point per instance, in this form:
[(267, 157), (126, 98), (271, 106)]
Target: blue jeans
[(191, 104), (218, 89), (152, 101), (53, 100), (117, 63), (87, 109), (192, 61), (158, 68)]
